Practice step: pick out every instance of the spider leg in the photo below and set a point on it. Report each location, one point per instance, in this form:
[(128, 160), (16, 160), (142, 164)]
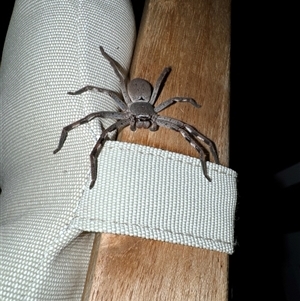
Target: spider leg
[(116, 67), (207, 141), (158, 84), (110, 93), (119, 125), (185, 130), (86, 119), (173, 100)]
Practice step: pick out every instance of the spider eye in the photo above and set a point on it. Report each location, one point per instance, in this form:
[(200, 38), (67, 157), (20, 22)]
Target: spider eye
[(139, 90)]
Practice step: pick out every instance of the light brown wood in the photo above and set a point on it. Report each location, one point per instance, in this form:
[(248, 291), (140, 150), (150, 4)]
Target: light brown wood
[(192, 36)]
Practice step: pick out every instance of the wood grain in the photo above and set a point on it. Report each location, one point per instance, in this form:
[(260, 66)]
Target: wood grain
[(193, 37)]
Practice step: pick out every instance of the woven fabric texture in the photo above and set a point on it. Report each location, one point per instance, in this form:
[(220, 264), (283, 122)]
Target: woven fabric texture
[(52, 47), (152, 193)]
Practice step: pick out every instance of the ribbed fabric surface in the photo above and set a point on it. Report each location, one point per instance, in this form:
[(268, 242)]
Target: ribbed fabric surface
[(161, 195), (52, 47)]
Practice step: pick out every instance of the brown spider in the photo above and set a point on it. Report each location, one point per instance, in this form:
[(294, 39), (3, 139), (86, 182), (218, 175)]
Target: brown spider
[(138, 111)]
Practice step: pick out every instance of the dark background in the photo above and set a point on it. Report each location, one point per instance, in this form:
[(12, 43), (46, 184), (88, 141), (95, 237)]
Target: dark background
[(264, 129), (264, 139)]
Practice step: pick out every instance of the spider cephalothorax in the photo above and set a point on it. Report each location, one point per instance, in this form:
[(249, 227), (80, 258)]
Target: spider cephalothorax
[(138, 111)]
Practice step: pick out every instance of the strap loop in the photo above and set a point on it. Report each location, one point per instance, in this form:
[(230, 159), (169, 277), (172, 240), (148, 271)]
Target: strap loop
[(156, 194)]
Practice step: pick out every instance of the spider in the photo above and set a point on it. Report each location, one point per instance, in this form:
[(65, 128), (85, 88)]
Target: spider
[(138, 111)]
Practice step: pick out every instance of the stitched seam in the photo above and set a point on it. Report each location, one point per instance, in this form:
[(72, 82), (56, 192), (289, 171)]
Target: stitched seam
[(155, 229), (122, 148)]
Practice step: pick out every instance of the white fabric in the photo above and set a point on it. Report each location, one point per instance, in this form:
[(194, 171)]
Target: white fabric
[(162, 195), (46, 207), (52, 47)]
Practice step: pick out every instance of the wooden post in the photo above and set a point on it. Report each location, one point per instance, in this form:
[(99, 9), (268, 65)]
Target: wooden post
[(193, 37)]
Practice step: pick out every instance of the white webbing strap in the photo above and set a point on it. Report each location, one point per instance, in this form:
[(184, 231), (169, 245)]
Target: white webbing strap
[(157, 194)]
